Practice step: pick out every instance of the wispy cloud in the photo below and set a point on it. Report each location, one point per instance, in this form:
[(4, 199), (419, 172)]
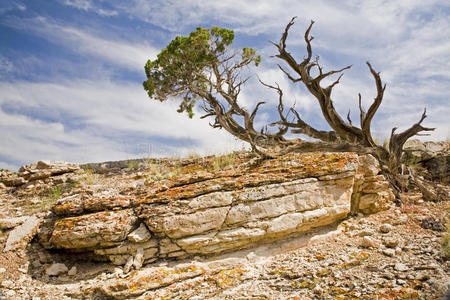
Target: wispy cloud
[(91, 121), (11, 5), (6, 66), (126, 54), (88, 5)]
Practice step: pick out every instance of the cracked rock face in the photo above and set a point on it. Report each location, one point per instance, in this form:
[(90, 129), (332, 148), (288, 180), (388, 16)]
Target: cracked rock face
[(204, 212)]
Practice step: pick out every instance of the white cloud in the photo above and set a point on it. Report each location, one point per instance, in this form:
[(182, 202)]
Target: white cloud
[(88, 5), (119, 52), (9, 5), (104, 116), (80, 4)]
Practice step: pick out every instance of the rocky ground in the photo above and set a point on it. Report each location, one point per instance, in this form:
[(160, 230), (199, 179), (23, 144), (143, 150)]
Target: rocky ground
[(399, 253)]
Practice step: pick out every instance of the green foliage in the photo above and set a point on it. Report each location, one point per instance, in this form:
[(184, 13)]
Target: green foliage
[(184, 66), (55, 193), (133, 164)]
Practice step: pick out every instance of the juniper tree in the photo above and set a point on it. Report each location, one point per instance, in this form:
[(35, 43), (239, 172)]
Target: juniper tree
[(200, 68)]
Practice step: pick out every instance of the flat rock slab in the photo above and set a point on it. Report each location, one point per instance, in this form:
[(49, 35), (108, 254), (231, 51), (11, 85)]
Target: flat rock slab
[(8, 223), (22, 234)]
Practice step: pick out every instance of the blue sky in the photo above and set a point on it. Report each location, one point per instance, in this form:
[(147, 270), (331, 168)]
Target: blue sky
[(71, 71)]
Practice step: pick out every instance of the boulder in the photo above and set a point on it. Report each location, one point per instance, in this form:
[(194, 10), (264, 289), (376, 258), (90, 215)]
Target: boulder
[(101, 229), (209, 213)]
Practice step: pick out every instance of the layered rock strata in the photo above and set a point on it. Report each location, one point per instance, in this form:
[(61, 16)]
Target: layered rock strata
[(39, 173), (205, 212)]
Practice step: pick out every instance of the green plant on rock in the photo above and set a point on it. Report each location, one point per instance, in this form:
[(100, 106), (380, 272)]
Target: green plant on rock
[(56, 192), (133, 164)]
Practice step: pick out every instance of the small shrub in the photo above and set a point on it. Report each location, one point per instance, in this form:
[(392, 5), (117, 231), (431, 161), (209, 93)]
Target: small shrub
[(89, 178), (133, 164), (55, 192)]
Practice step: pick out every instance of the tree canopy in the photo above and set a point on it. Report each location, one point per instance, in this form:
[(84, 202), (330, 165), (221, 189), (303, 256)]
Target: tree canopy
[(183, 68)]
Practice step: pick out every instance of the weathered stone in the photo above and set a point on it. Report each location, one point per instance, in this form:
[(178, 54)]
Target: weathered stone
[(213, 213), (369, 165), (385, 228), (285, 223), (245, 212), (184, 225), (56, 269), (400, 267), (388, 252), (72, 271), (79, 203), (166, 246), (126, 248), (377, 185), (7, 223), (177, 254), (128, 264), (11, 179), (21, 235), (97, 229), (138, 258), (368, 241), (216, 199), (391, 242), (140, 235), (372, 203)]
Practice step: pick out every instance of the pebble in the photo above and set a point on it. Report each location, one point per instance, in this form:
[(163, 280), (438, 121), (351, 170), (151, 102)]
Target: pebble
[(2, 270), (72, 271), (56, 269), (400, 267), (401, 282), (402, 220), (36, 263), (391, 242), (7, 283), (385, 228), (10, 293), (365, 233), (388, 252), (368, 241), (423, 276)]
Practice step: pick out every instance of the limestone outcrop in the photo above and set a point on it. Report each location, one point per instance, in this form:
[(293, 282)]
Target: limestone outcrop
[(40, 173), (203, 211), (434, 157)]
